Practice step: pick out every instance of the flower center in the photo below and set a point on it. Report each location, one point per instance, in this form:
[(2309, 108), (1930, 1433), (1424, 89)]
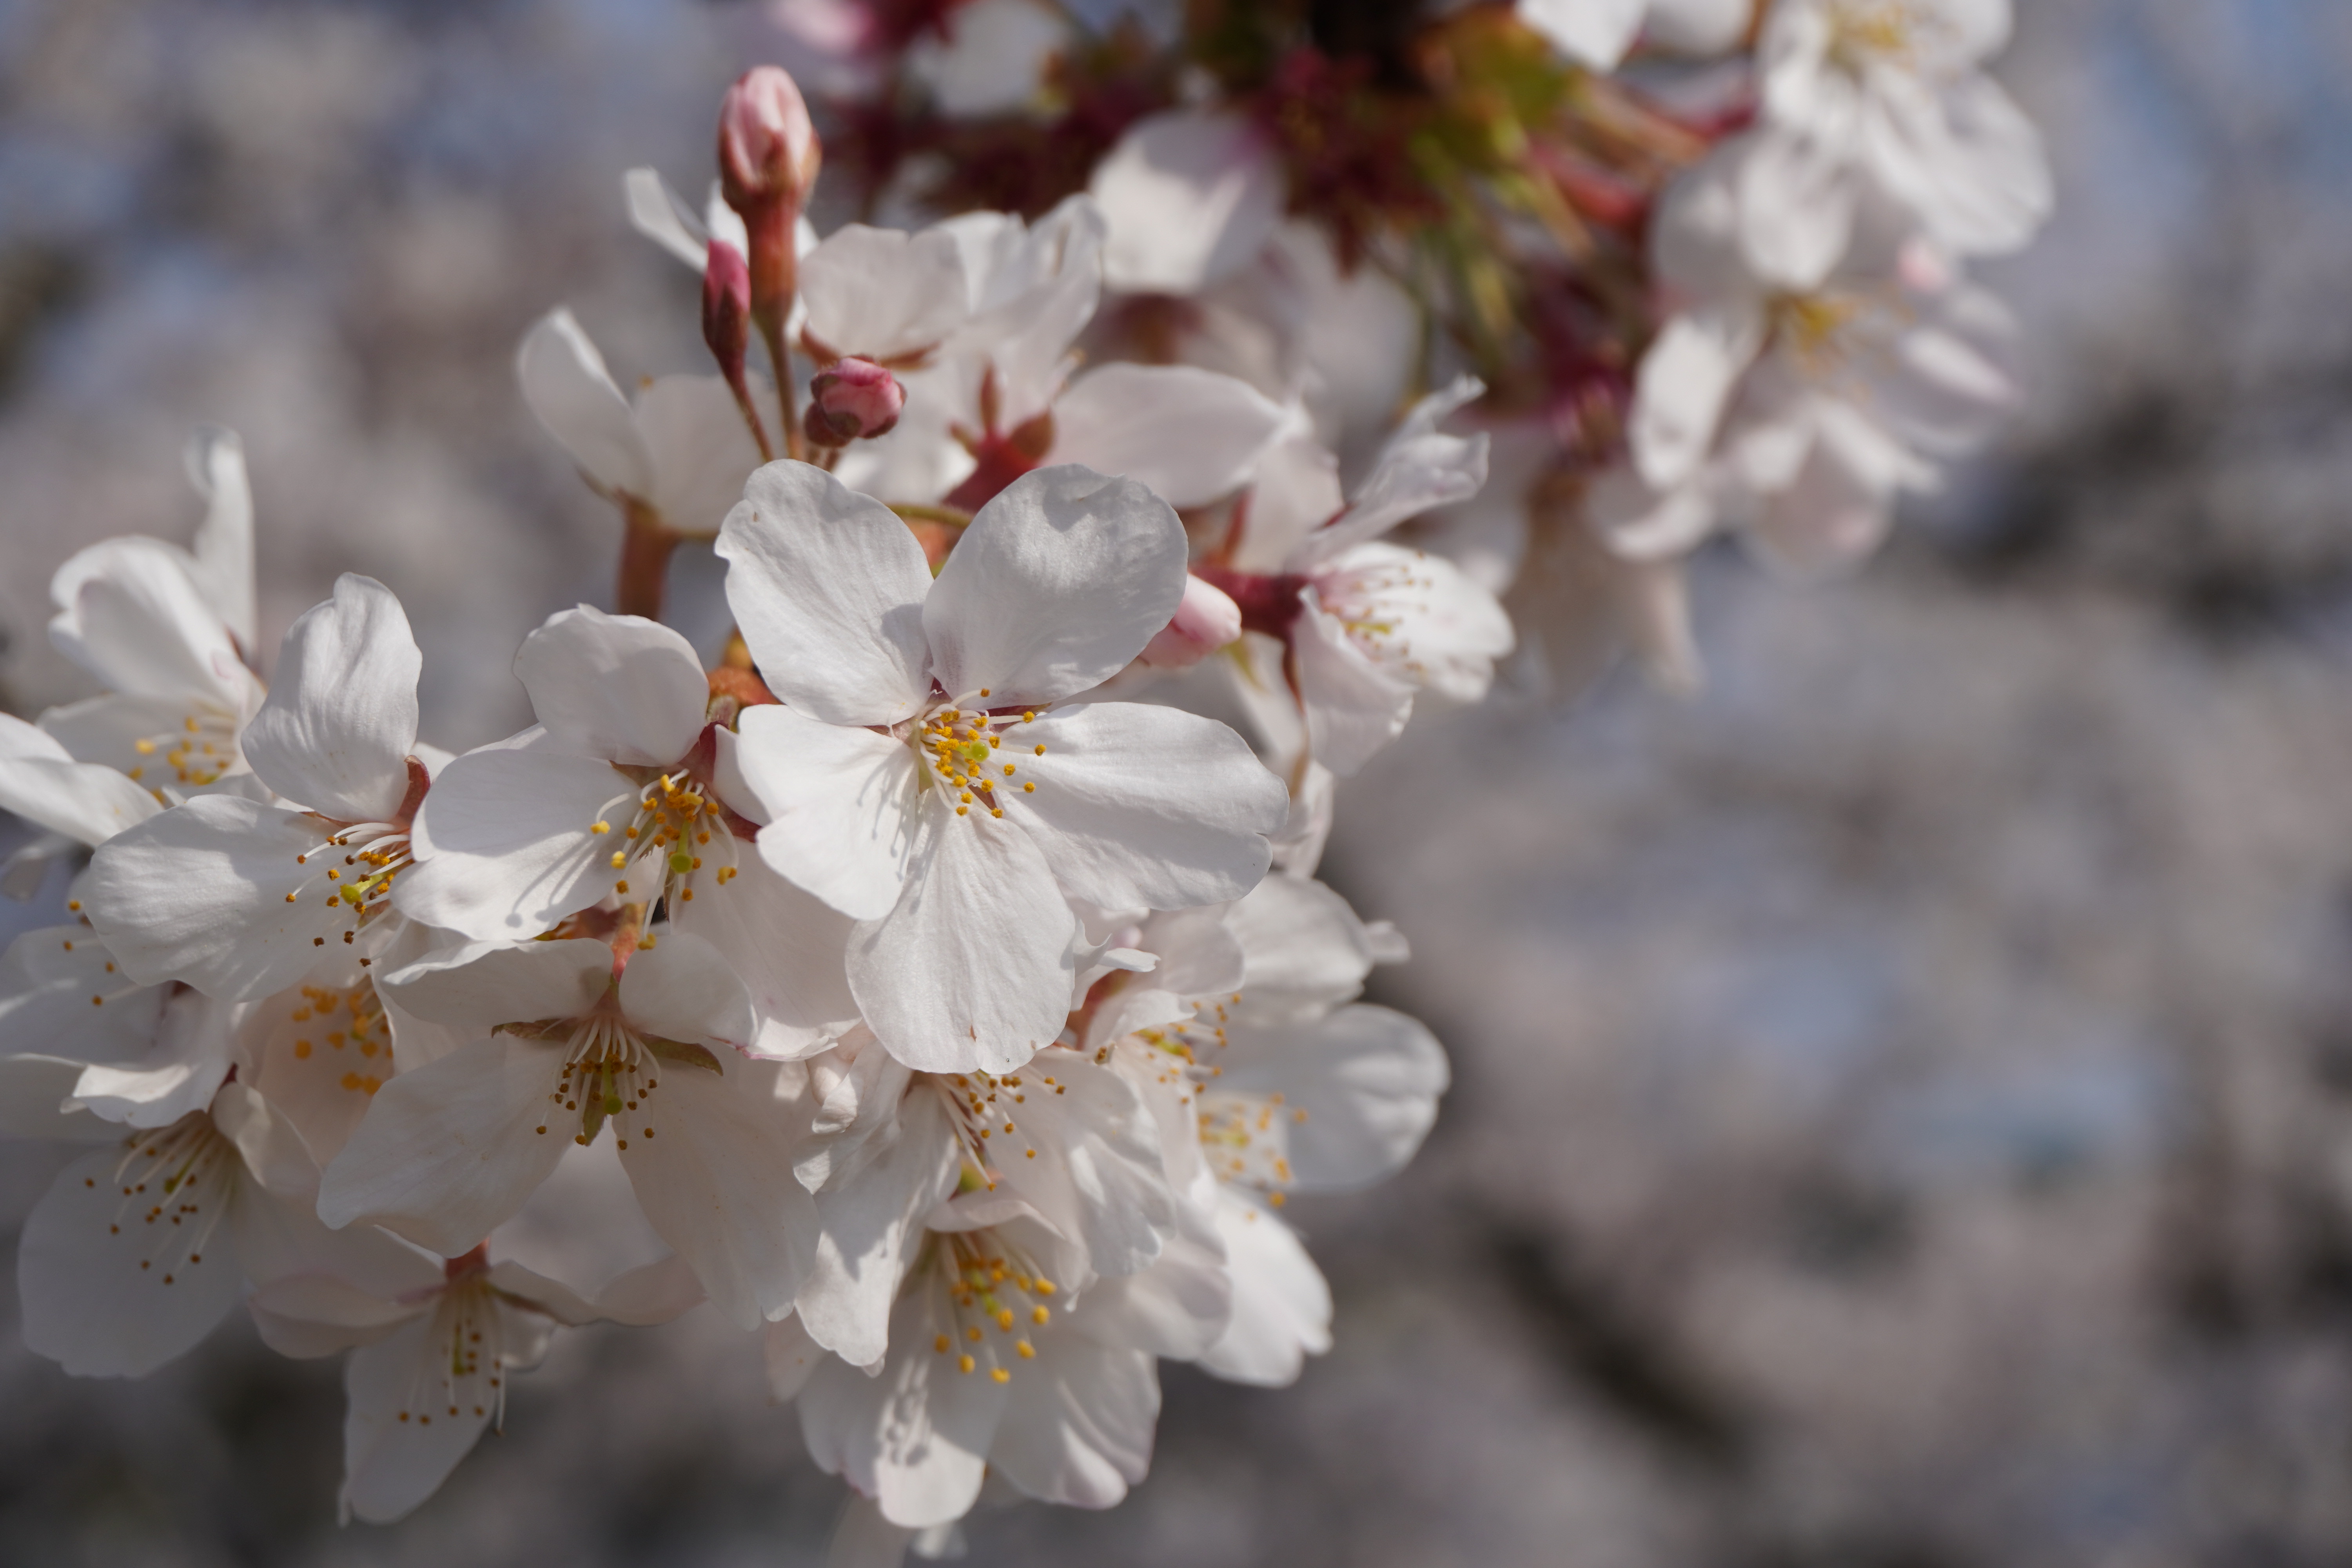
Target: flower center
[(985, 1113), (198, 753), (1244, 1137), (608, 1071), (679, 824), (970, 754), (1376, 601), (467, 1371), (976, 1280), (178, 1183), (356, 885), (1866, 32), (349, 1021)]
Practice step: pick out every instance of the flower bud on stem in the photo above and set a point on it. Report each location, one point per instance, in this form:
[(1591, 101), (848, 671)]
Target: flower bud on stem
[(726, 327), (768, 161), (851, 400)]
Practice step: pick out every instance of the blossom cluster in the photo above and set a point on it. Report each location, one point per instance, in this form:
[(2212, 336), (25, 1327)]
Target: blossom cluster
[(935, 980)]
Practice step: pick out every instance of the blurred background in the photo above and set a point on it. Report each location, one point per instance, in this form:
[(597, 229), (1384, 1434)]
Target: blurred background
[(1901, 1093)]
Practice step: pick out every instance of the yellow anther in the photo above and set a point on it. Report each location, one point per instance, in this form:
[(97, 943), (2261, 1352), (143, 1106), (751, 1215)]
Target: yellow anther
[(973, 1334), (961, 810), (1028, 789), (1041, 751), (1044, 1287), (999, 1374), (983, 692), (964, 1363), (1005, 1319), (996, 811), (599, 827), (1040, 1314), (941, 1344), (620, 887), (144, 748), (619, 860), (1008, 768)]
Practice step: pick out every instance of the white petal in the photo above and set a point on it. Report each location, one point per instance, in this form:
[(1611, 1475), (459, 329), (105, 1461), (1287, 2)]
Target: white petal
[(224, 542), (449, 1150), (131, 613), (617, 687), (1055, 587), (973, 968), (1189, 197), (683, 989), (917, 1438), (566, 384), (336, 732), (702, 451), (199, 893), (789, 1355), (109, 730), (1680, 390), (1367, 1079), (839, 803), (505, 842), (1189, 434), (1282, 1307), (879, 293), (1303, 949), (307, 1315), (188, 1061), (1595, 33), (88, 1303), (390, 1465), (1353, 707), (1698, 27), (872, 1229), (828, 587), (83, 801), (662, 216), (62, 994), (1097, 1177), (485, 984), (1797, 197), (1077, 1427), (1143, 805), (1421, 468), (650, 1293), (791, 951), (715, 1177)]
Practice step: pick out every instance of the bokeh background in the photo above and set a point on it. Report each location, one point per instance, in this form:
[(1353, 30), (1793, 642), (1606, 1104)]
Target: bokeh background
[(1901, 1093)]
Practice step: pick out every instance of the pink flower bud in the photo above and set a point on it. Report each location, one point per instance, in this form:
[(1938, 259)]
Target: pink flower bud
[(726, 308), (768, 151), (1206, 621), (853, 399)]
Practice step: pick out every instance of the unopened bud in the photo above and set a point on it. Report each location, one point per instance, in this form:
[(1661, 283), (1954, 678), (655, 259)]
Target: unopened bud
[(726, 308), (854, 398), (727, 328), (1206, 620), (768, 151)]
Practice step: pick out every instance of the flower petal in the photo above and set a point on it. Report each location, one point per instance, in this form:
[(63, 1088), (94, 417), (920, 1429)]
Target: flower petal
[(449, 1150), (1078, 1422), (879, 292), (1353, 707), (828, 587), (1282, 1307), (840, 804), (872, 1227), (702, 451), (1189, 197), (790, 950), (180, 1072), (1055, 588), (505, 842), (917, 1438), (1142, 805), (1191, 436), (105, 1293), (309, 1315), (683, 989), (565, 383), (225, 893), (1367, 1079), (131, 613), (337, 728), (390, 1465), (973, 968), (1098, 1178), (617, 687), (485, 984), (223, 544), (711, 1160)]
